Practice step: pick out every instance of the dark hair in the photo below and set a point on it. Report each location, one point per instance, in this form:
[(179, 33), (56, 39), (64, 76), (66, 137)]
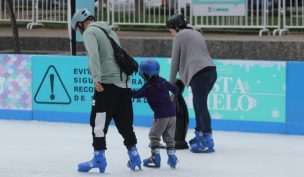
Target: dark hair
[(92, 18), (177, 21)]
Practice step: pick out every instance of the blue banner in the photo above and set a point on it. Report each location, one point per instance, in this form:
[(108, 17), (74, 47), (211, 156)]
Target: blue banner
[(61, 83), (61, 89)]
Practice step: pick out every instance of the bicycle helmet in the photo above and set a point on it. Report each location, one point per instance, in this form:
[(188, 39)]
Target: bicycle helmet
[(80, 15), (150, 67)]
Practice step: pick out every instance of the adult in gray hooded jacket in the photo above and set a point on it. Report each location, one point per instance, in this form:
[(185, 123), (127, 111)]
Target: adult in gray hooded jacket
[(191, 59), (112, 96)]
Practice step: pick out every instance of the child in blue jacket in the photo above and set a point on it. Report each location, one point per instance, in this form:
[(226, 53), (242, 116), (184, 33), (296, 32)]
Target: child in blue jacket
[(156, 91)]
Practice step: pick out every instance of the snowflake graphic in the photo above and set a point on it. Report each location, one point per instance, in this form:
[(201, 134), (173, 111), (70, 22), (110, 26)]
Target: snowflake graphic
[(275, 113)]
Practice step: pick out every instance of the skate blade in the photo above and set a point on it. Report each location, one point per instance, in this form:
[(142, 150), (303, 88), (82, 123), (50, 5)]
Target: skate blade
[(134, 168), (151, 166), (203, 150), (83, 171), (173, 167)]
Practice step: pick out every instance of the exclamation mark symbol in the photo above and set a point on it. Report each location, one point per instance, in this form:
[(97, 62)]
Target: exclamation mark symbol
[(52, 96)]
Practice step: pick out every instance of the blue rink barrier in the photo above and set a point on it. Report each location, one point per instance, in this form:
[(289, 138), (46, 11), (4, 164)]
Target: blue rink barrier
[(52, 116), (59, 89), (295, 98), (16, 114)]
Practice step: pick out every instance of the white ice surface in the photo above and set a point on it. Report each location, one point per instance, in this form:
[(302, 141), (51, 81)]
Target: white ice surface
[(43, 149)]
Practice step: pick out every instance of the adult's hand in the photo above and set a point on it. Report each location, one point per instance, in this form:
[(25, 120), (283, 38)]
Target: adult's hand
[(98, 86)]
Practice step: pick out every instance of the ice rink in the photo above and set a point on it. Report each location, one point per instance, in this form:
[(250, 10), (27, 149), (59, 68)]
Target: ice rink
[(44, 149)]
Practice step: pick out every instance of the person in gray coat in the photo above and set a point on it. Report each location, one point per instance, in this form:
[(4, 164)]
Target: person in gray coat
[(191, 59)]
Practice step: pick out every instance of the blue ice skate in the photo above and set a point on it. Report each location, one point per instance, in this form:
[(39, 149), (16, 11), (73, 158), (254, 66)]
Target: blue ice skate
[(154, 160), (197, 138), (134, 159), (203, 143), (98, 161), (192, 141), (172, 159)]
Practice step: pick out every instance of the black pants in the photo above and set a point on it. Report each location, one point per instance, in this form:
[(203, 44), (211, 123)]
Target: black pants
[(201, 85), (114, 102)]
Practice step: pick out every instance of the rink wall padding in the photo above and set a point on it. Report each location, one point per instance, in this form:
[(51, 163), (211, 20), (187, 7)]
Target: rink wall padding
[(295, 98), (16, 114), (249, 96), (52, 116)]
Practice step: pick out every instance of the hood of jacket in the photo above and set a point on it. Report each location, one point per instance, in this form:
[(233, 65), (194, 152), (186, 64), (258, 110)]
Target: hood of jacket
[(103, 25)]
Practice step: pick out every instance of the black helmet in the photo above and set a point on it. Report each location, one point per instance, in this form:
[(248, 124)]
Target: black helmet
[(177, 21)]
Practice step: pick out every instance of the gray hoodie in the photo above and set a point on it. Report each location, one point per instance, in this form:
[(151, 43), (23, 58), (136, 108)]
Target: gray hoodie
[(189, 55), (102, 64)]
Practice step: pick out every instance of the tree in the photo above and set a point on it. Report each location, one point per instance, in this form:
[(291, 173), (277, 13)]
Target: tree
[(9, 5)]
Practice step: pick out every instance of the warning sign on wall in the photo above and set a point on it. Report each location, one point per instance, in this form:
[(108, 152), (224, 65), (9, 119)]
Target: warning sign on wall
[(61, 83), (51, 89)]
